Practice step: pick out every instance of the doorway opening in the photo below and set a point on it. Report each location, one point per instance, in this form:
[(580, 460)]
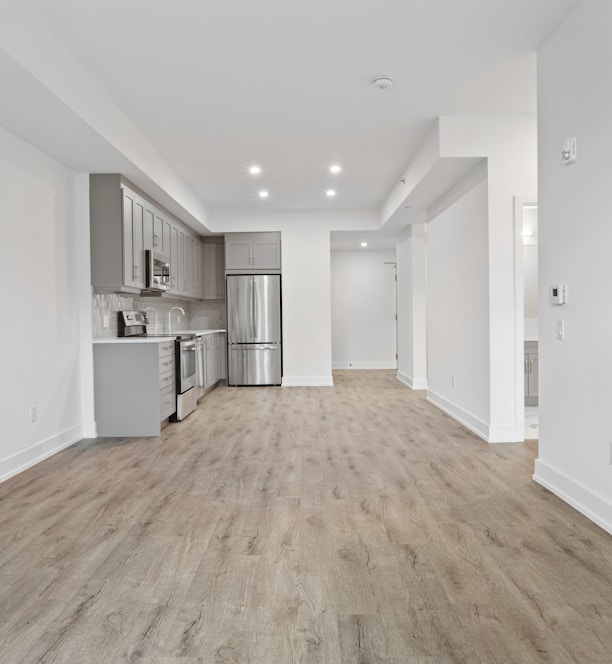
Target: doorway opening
[(526, 221)]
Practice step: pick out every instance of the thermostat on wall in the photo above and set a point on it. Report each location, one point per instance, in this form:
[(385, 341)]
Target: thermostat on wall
[(558, 294)]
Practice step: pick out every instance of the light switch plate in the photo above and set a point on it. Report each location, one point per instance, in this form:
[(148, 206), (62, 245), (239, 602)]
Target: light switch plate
[(561, 330), (570, 151)]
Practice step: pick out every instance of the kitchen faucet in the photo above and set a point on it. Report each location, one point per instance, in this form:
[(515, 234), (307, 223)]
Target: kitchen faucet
[(170, 317)]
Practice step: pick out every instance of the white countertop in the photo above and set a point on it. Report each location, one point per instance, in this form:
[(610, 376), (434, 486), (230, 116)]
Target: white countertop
[(133, 340), (152, 340), (200, 333)]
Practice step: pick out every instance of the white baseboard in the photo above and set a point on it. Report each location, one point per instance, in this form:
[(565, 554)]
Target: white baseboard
[(489, 433), (418, 384), (308, 381), (38, 452), (595, 507), (391, 364), (506, 434), (90, 430), (471, 422)]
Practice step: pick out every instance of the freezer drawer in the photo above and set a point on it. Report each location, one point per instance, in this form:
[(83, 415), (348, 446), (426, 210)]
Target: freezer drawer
[(254, 364)]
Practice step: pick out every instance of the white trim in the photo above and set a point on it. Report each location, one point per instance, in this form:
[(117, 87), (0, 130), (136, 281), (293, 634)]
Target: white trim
[(391, 364), (90, 430), (38, 452), (592, 505), (507, 433), (308, 381), (471, 422), (496, 434), (411, 382)]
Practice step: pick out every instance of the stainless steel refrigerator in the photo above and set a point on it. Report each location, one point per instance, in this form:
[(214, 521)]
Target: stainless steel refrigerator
[(254, 350)]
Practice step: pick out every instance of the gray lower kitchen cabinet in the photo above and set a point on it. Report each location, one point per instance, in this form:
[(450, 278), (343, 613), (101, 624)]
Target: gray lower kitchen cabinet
[(531, 373), (211, 364), (134, 386), (253, 252), (221, 350), (214, 349)]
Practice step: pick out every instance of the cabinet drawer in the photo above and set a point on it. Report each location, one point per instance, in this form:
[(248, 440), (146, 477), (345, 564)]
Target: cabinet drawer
[(166, 380), (167, 403), (166, 363), (166, 348)]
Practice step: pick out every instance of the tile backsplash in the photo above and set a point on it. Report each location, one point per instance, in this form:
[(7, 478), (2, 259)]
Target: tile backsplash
[(199, 315)]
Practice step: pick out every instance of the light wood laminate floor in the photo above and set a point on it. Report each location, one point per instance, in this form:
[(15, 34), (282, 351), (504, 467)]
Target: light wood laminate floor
[(348, 525)]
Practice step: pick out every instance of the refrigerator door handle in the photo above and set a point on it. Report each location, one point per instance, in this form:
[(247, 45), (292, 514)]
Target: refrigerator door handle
[(253, 310)]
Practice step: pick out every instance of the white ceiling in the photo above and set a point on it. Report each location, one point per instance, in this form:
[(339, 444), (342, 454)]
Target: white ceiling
[(216, 85)]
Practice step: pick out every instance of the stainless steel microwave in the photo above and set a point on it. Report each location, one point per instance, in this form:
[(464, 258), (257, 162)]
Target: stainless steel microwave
[(158, 272)]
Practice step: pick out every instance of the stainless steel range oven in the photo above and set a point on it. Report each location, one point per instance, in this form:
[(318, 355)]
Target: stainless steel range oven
[(186, 392)]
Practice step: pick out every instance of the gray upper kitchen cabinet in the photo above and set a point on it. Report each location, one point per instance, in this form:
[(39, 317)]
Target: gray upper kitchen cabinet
[(123, 224), (253, 252), (116, 236), (196, 269), (192, 267), (161, 233), (187, 253), (174, 259), (149, 223), (133, 240), (213, 269)]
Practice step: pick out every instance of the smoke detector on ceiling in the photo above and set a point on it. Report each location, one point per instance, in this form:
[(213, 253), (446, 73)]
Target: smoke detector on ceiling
[(383, 82)]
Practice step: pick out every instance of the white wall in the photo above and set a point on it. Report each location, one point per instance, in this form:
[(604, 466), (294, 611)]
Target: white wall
[(46, 267), (411, 252), (510, 145), (575, 236), (363, 298), (306, 283), (458, 310)]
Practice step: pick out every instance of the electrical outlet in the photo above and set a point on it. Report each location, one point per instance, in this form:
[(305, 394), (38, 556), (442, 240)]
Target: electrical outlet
[(453, 381), (33, 414)]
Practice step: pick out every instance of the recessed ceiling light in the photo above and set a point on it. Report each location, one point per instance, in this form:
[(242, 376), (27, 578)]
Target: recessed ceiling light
[(255, 170), (330, 193), (263, 194), (335, 168), (364, 244)]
